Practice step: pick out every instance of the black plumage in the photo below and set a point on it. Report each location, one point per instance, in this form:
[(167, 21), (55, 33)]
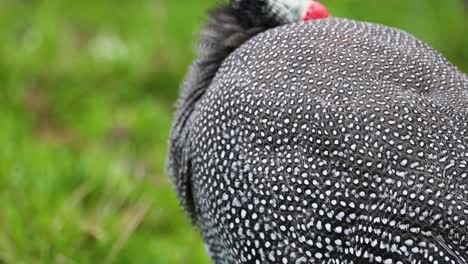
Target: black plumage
[(329, 141)]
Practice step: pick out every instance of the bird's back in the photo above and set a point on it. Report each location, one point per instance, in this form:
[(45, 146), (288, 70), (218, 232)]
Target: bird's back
[(332, 141)]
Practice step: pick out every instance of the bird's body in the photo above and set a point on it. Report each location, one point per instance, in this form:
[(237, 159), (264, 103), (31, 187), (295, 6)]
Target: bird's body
[(330, 141)]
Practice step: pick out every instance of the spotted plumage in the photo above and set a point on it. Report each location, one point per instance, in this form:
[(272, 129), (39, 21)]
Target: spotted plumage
[(329, 141)]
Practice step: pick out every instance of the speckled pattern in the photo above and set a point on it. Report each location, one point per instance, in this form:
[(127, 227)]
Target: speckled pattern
[(332, 141)]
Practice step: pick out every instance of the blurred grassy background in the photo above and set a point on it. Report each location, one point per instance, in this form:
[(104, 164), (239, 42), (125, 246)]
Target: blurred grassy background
[(86, 97)]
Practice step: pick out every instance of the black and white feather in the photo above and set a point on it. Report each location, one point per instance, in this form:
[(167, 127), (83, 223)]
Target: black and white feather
[(330, 141)]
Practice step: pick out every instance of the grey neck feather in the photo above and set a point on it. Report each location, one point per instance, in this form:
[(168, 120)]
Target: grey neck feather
[(228, 28)]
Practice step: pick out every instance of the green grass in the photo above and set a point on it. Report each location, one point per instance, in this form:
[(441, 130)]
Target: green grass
[(86, 98)]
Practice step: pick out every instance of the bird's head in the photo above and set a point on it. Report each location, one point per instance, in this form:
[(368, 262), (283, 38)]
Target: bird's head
[(285, 11), (314, 10)]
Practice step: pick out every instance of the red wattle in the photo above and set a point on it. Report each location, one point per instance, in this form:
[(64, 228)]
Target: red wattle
[(316, 11)]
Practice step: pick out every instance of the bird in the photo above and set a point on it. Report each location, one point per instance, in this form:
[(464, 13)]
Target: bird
[(305, 138)]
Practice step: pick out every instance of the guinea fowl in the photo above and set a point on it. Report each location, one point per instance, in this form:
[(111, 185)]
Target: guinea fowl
[(321, 141)]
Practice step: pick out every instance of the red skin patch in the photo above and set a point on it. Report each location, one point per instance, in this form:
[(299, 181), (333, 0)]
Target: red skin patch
[(316, 11)]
